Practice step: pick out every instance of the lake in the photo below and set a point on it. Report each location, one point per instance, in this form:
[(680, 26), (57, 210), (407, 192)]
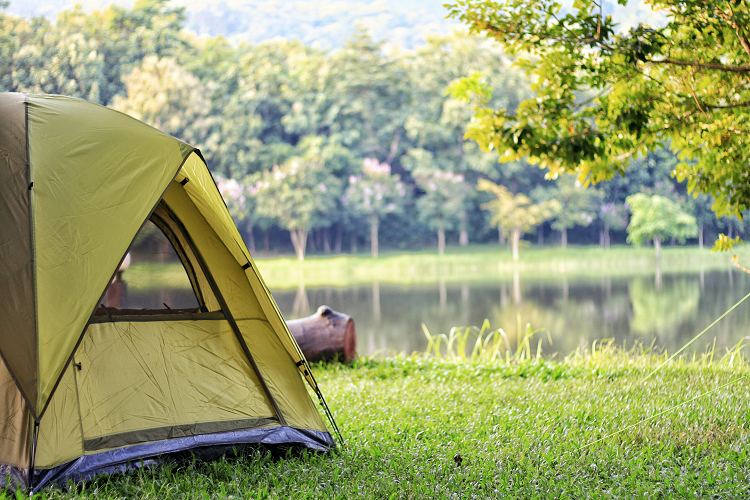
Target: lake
[(668, 309), (578, 296)]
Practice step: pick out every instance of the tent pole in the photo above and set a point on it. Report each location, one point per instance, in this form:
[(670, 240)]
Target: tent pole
[(35, 437)]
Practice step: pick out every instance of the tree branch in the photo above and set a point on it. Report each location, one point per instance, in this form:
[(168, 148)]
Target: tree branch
[(719, 67)]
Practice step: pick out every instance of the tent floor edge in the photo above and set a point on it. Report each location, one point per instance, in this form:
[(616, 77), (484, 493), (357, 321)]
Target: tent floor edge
[(203, 447)]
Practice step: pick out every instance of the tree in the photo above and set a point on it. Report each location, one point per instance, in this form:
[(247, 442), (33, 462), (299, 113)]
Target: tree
[(515, 214), (602, 95), (577, 204), (443, 202), (657, 217), (300, 195), (240, 203), (375, 193), (613, 216), (163, 94)]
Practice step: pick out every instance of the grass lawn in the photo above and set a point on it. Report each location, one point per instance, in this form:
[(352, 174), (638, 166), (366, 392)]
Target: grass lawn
[(421, 428), (487, 262)]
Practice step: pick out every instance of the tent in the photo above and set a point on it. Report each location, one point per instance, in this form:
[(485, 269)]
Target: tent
[(87, 389)]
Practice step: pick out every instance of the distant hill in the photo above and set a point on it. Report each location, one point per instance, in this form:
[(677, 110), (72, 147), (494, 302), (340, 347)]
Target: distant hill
[(326, 24)]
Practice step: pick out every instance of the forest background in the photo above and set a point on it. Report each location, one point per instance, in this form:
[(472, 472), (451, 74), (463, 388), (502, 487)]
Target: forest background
[(326, 134)]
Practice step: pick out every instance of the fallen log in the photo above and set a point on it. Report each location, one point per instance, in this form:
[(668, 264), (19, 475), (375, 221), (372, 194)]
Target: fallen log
[(326, 335)]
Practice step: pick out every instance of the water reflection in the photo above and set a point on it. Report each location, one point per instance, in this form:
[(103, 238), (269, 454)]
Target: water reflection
[(667, 308)]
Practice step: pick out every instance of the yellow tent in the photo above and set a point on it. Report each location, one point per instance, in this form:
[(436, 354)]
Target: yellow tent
[(86, 389)]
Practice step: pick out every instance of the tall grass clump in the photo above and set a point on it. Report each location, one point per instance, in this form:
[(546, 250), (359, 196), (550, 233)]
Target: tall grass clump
[(487, 345)]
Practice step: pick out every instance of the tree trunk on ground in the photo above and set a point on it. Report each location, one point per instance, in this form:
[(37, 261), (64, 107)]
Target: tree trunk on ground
[(339, 237), (326, 335), (374, 225), (657, 245), (250, 238), (700, 237), (326, 240), (515, 237), (564, 238), (299, 242), (441, 241)]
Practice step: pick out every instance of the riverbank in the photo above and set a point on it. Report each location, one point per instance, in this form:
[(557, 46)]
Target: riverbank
[(420, 428), (486, 263)]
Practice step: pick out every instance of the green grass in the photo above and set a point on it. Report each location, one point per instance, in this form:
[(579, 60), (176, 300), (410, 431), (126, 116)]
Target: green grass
[(417, 427), (486, 262)]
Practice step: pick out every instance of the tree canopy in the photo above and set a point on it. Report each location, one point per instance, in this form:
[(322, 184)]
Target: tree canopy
[(603, 96)]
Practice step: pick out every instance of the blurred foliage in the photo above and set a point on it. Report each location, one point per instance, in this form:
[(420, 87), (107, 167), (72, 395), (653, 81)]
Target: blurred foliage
[(290, 129)]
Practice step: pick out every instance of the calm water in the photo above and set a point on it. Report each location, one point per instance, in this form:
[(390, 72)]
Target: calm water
[(670, 309)]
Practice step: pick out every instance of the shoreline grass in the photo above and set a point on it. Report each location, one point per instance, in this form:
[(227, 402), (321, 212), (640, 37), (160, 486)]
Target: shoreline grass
[(417, 427), (485, 263)]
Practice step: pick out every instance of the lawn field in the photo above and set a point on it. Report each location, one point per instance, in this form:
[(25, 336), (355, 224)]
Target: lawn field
[(523, 428), (488, 262)]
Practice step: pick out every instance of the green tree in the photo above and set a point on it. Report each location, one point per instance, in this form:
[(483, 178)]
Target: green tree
[(657, 217), (578, 205), (612, 216), (515, 215), (603, 95), (163, 94), (374, 194), (443, 203)]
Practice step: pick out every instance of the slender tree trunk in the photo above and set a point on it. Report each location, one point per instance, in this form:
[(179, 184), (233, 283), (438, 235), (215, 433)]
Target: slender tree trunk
[(299, 241), (565, 238), (353, 243), (441, 241), (700, 237), (266, 242), (657, 245), (250, 237), (374, 225), (515, 237), (501, 236), (339, 237), (540, 235), (601, 238), (326, 240), (311, 240), (463, 235), (606, 236)]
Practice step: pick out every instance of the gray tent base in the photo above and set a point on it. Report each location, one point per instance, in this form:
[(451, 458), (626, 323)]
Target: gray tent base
[(205, 446)]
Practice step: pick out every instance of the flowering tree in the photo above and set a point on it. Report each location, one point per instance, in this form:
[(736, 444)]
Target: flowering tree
[(240, 203), (300, 195), (375, 193), (443, 205)]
